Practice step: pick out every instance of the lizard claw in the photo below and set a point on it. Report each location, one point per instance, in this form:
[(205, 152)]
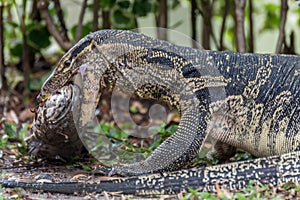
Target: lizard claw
[(113, 170), (104, 170), (41, 98)]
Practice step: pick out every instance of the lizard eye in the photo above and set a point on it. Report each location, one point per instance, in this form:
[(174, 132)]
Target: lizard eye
[(67, 63)]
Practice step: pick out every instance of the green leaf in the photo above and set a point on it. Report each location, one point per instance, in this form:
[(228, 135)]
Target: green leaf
[(16, 50), (162, 129), (240, 196), (154, 129), (124, 4), (36, 84), (298, 12), (207, 195), (10, 129), (13, 24), (155, 7), (22, 133), (288, 185), (133, 109), (107, 3), (141, 8), (86, 168), (86, 29), (120, 18), (175, 4), (3, 141), (3, 174), (272, 18), (172, 129), (5, 2), (39, 37), (13, 77)]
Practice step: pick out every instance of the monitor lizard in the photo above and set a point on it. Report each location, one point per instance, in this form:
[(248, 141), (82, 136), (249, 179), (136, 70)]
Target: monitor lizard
[(257, 110)]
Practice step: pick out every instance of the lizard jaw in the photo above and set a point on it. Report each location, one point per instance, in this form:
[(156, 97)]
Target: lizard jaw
[(42, 97), (45, 94)]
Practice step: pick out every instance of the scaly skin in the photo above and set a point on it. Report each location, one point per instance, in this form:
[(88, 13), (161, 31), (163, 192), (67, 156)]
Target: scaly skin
[(247, 101), (274, 171)]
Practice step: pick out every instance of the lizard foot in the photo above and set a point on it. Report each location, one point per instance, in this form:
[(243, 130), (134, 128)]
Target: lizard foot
[(101, 169)]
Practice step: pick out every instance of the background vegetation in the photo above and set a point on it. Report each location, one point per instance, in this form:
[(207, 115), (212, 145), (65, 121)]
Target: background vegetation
[(31, 28)]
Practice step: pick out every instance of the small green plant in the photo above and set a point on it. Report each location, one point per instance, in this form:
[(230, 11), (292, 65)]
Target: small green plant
[(12, 137), (195, 194), (254, 190), (3, 174), (120, 137), (124, 145)]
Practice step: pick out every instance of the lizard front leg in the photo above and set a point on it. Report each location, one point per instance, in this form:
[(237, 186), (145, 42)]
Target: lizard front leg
[(173, 153), (178, 149)]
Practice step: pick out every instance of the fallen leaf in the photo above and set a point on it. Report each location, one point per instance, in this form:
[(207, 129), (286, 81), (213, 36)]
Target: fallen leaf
[(78, 176)]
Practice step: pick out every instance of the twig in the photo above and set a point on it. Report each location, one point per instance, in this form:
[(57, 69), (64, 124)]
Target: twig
[(225, 14), (95, 15), (239, 21), (43, 8), (80, 20), (251, 27), (289, 49), (206, 17), (207, 30), (34, 14), (61, 20), (194, 22), (210, 24), (162, 20), (105, 19), (2, 64), (136, 23), (283, 13), (25, 53)]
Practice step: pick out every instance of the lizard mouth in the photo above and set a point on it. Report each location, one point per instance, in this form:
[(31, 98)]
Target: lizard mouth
[(42, 98), (71, 78), (81, 70)]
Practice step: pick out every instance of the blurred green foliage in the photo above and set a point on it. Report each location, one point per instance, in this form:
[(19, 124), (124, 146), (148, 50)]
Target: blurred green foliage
[(123, 15), (38, 39), (13, 138), (254, 190), (125, 12), (272, 17)]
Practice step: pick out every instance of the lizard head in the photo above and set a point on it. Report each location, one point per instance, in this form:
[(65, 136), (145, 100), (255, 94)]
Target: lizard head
[(58, 78), (65, 69)]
